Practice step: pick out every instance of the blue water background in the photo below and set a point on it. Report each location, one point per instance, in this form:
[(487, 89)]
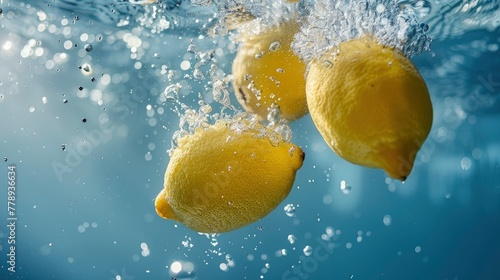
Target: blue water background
[(89, 221)]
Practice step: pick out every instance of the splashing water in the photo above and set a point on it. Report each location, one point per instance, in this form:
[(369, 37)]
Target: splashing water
[(331, 22)]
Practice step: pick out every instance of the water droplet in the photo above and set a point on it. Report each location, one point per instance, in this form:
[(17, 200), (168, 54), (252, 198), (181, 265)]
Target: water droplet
[(275, 46), (280, 70), (88, 47), (291, 238), (308, 250), (258, 55)]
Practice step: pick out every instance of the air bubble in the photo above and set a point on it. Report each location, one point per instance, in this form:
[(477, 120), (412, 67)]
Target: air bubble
[(88, 47), (275, 46), (307, 250), (86, 69), (346, 189), (274, 114), (289, 210), (387, 220)]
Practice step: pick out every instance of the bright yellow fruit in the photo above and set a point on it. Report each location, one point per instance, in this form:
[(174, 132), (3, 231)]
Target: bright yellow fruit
[(219, 180), (266, 71), (370, 104)]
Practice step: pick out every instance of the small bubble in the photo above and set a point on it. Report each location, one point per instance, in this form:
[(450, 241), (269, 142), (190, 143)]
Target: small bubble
[(327, 64), (289, 210), (424, 26), (198, 74), (274, 114), (63, 147), (387, 220), (84, 120), (258, 55), (88, 47), (86, 69), (5, 159), (346, 189), (466, 163), (308, 250), (275, 46), (80, 88), (291, 238), (280, 70), (192, 49), (65, 100), (418, 249)]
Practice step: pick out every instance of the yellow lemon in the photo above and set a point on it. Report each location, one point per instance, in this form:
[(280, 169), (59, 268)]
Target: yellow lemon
[(370, 104), (268, 73), (221, 178)]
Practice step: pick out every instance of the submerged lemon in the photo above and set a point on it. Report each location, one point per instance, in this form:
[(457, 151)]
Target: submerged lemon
[(370, 104), (219, 179), (268, 73)]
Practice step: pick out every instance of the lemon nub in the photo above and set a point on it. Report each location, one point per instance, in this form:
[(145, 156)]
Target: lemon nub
[(163, 209)]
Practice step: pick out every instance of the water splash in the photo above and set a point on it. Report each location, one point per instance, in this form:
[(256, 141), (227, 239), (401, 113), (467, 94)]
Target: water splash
[(331, 22)]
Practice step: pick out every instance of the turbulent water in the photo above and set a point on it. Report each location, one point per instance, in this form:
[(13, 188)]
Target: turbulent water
[(93, 94)]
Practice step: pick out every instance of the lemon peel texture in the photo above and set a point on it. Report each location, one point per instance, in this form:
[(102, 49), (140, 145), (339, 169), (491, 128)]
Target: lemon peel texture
[(370, 104), (267, 73), (227, 176)]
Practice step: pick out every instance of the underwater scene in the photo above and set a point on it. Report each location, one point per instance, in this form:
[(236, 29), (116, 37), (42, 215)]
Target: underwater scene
[(258, 139)]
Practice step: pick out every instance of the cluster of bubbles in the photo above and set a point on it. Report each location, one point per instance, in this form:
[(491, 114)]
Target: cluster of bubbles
[(331, 22), (325, 24), (276, 130)]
